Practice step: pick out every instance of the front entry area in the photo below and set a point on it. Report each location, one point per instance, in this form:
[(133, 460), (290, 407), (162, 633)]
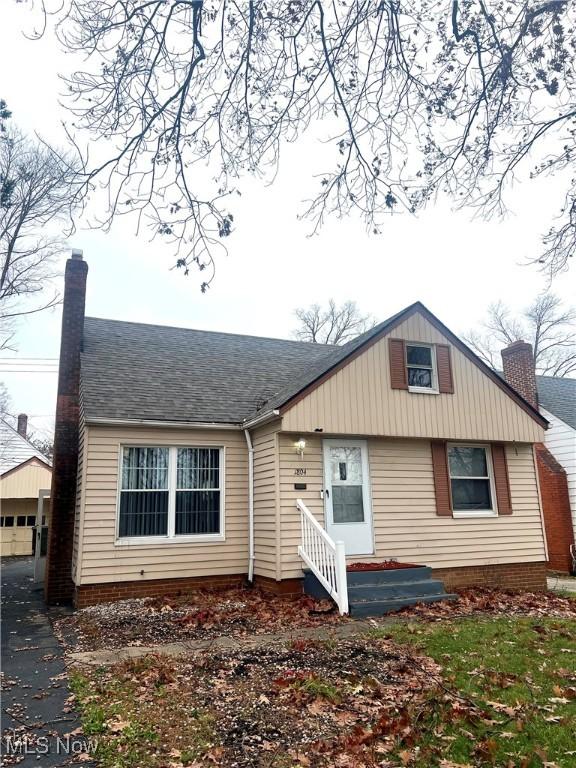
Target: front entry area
[(347, 504)]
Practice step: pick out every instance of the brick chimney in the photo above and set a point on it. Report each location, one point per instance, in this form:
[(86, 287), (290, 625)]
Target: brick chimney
[(519, 370), (22, 424), (59, 587)]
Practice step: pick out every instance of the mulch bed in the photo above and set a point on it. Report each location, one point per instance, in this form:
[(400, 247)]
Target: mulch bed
[(385, 565)]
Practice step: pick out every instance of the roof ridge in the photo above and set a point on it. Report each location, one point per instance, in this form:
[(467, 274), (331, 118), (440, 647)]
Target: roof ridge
[(217, 333)]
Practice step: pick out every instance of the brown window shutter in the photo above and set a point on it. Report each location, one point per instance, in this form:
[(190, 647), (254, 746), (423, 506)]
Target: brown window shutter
[(441, 478), (444, 364), (398, 375), (501, 481)]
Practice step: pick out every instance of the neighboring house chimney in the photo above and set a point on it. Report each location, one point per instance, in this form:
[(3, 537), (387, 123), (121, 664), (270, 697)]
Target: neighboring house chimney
[(22, 424), (519, 370), (59, 587)]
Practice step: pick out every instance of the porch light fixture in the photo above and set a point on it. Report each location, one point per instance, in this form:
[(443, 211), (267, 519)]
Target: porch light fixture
[(299, 445)]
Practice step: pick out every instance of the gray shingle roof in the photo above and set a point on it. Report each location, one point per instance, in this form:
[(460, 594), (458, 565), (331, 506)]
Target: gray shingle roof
[(318, 368), (135, 371), (559, 397)]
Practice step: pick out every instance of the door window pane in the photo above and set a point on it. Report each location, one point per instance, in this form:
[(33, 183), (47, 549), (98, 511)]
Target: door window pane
[(346, 465), (347, 504)]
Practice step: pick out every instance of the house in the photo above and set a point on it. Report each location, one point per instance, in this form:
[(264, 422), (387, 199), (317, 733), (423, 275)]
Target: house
[(24, 472), (556, 456), (187, 458)]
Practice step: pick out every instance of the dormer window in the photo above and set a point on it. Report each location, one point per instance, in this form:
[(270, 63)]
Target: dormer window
[(421, 368)]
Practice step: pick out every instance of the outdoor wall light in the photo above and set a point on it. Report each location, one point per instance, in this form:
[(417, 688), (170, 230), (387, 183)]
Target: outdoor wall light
[(300, 444)]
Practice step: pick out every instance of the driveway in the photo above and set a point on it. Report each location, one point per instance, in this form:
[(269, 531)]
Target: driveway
[(36, 718)]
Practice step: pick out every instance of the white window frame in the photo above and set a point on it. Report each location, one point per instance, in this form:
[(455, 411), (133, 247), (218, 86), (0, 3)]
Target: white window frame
[(171, 537), (475, 512), (433, 390)]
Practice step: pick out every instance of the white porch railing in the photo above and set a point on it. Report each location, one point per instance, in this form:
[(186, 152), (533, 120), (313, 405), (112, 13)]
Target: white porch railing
[(325, 558)]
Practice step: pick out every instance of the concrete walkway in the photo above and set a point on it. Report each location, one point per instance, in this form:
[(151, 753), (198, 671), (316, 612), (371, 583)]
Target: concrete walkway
[(36, 717), (108, 657), (561, 584)]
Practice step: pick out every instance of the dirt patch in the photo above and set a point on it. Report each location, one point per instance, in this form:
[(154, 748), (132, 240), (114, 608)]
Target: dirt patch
[(308, 703)]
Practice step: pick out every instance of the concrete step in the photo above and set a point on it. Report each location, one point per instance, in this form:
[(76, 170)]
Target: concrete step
[(360, 609), (363, 592)]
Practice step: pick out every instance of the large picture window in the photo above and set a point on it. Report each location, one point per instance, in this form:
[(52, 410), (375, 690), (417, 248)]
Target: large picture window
[(170, 492), (470, 479)]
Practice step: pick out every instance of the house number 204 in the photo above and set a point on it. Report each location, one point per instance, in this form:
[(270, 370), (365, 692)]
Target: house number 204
[(300, 471)]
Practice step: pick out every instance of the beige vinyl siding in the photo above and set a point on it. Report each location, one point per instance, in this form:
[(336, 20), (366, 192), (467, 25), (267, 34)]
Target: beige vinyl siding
[(403, 505), (265, 443), (26, 482), (104, 561), (359, 400)]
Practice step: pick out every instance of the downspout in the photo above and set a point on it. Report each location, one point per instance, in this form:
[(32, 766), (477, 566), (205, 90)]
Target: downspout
[(251, 557)]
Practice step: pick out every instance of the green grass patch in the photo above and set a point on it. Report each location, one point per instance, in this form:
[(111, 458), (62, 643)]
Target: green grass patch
[(508, 696), (137, 718)]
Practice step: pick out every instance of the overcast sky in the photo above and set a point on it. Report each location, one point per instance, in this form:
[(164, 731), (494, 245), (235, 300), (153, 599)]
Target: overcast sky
[(453, 264)]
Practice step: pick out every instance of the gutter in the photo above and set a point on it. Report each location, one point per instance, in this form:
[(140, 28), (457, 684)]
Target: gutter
[(156, 423), (264, 419), (251, 557)]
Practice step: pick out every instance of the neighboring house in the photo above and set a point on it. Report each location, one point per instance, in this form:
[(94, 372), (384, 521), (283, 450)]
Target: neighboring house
[(181, 457), (557, 398), (24, 472), (556, 456)]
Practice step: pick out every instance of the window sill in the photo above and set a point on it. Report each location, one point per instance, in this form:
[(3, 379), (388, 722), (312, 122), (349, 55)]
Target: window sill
[(145, 541), (423, 391), (476, 513)]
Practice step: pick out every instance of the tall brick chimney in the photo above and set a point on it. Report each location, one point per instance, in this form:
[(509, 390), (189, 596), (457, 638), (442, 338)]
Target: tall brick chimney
[(519, 370), (22, 424), (59, 587)]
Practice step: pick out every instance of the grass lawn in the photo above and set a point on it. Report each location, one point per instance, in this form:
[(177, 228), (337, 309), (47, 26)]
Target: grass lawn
[(517, 678), (475, 691)]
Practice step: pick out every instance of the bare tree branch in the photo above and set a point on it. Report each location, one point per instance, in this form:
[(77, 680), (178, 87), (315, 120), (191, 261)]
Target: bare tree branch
[(414, 99), (333, 325), (546, 324), (38, 187)]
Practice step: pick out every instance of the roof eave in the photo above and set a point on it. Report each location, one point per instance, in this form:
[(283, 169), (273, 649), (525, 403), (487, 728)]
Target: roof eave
[(115, 422)]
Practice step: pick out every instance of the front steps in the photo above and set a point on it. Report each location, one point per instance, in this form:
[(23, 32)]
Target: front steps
[(375, 593)]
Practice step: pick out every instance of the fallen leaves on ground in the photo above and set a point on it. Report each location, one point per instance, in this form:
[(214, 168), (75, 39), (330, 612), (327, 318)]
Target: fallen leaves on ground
[(478, 600), (243, 612), (200, 615)]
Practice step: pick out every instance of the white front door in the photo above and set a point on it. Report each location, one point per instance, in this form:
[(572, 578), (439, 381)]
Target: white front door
[(347, 495)]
